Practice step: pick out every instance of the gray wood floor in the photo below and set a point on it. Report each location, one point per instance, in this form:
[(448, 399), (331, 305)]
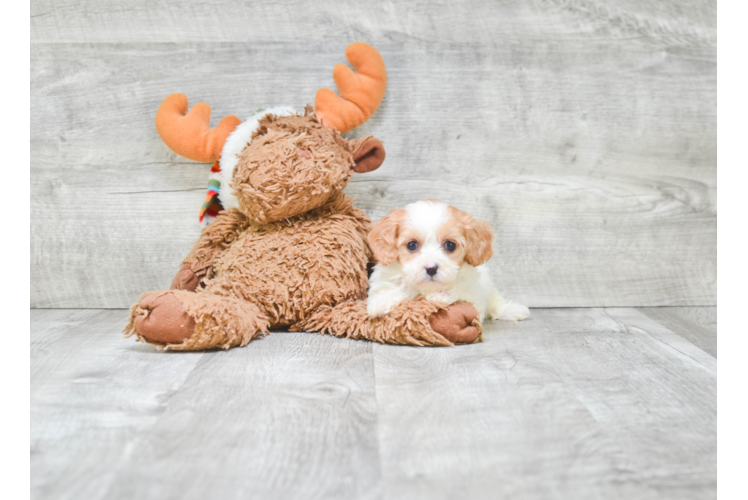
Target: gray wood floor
[(573, 403)]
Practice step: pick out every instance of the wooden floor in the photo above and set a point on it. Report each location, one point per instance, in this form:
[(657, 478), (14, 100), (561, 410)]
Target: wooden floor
[(573, 403)]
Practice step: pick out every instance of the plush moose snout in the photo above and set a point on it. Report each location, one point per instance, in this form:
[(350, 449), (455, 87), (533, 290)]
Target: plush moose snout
[(295, 164)]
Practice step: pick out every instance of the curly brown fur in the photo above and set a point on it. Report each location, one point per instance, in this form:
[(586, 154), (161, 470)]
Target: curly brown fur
[(292, 165), (214, 239), (407, 324), (291, 267)]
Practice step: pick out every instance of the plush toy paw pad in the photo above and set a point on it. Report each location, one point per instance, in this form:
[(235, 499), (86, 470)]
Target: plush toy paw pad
[(163, 320), (186, 279), (457, 323)]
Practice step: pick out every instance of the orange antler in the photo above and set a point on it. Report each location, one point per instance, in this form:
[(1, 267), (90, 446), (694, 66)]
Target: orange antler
[(361, 91), (190, 135)]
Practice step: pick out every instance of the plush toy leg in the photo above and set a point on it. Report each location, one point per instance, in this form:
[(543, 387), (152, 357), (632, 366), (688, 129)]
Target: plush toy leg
[(187, 321), (413, 322)]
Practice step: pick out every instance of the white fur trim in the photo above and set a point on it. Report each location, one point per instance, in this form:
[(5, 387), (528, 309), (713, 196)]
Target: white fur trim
[(235, 144)]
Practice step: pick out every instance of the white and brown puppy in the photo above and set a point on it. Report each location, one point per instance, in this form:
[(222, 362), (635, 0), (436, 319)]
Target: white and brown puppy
[(434, 250)]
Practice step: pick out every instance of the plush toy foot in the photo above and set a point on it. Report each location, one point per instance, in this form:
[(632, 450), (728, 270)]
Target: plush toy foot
[(186, 279), (458, 323), (162, 320), (180, 320)]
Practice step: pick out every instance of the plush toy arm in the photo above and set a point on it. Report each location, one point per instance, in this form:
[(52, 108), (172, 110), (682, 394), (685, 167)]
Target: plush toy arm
[(186, 279), (413, 322), (214, 239)]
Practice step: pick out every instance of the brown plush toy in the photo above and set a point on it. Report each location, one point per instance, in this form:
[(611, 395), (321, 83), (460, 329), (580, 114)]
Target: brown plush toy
[(288, 250)]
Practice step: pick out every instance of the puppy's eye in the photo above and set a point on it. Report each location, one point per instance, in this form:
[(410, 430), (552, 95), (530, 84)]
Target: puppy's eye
[(450, 246), (412, 246)]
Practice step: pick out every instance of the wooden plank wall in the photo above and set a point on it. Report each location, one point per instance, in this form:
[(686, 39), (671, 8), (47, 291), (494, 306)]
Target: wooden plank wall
[(583, 130)]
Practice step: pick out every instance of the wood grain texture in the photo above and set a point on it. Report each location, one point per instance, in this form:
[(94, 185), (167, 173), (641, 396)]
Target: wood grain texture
[(585, 403), (292, 416), (572, 403), (697, 324), (585, 132), (93, 394), (481, 21)]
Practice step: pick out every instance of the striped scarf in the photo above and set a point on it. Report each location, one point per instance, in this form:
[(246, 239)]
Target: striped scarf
[(212, 205)]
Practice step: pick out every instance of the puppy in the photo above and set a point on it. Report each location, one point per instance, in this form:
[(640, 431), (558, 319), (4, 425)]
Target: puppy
[(434, 250)]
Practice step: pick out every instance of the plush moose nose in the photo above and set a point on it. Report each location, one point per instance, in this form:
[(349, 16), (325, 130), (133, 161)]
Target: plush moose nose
[(431, 270)]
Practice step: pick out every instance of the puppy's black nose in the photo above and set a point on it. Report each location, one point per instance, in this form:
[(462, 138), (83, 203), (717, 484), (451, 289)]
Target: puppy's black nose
[(431, 270)]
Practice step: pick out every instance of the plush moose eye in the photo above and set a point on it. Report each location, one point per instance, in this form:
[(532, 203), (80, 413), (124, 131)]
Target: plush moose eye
[(412, 246), (303, 152), (450, 246)]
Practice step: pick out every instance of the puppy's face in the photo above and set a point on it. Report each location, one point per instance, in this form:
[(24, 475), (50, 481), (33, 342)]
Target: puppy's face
[(431, 240)]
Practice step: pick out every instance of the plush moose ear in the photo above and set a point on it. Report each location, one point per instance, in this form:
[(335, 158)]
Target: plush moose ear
[(383, 237), (479, 238), (368, 155)]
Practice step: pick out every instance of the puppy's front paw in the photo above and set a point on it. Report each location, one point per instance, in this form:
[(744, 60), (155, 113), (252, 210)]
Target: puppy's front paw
[(442, 296), (511, 311), (379, 308)]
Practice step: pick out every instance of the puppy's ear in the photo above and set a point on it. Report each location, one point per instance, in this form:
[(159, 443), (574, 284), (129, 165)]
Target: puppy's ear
[(368, 154), (383, 237), (479, 238)]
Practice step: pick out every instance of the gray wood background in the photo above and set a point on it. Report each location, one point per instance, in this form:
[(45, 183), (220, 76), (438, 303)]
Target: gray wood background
[(584, 130)]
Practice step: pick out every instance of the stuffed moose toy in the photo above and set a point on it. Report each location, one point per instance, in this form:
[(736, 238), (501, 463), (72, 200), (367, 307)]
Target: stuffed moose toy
[(285, 247)]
